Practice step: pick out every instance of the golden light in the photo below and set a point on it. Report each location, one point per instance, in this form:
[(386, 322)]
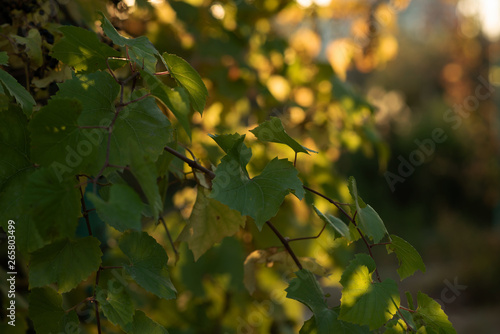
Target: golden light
[(488, 13), (218, 11)]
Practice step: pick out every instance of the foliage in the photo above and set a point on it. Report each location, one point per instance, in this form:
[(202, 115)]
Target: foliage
[(106, 142)]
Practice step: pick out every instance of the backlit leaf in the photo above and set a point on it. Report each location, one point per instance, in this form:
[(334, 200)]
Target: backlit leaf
[(209, 223), (187, 77), (117, 306), (82, 50), (340, 228), (408, 257), (273, 131), (64, 262), (364, 302), (433, 317)]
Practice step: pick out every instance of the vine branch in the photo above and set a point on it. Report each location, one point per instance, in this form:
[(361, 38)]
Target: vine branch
[(285, 243)]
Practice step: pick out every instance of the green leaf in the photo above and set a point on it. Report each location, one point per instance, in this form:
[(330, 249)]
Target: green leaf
[(47, 314), (56, 139), (65, 262), (209, 223), (259, 197), (176, 99), (123, 209), (82, 50), (364, 302), (143, 324), (22, 96), (273, 131), (408, 257), (233, 145), (305, 289), (148, 263), (430, 313), (146, 175), (33, 46), (15, 169), (140, 50), (141, 121), (117, 306), (187, 77), (4, 58), (368, 219), (338, 225), (54, 203)]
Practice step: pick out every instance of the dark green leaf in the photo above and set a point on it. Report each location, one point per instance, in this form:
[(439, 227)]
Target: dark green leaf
[(122, 210), (54, 202), (143, 324), (176, 99), (148, 263), (408, 257), (187, 77), (368, 219), (364, 302), (146, 174), (82, 50), (259, 197), (430, 313), (209, 223), (65, 262), (140, 49), (234, 146), (117, 306), (47, 314), (22, 96), (273, 131)]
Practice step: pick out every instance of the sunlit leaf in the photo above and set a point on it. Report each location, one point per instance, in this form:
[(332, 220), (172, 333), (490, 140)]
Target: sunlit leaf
[(433, 317), (340, 228), (364, 302)]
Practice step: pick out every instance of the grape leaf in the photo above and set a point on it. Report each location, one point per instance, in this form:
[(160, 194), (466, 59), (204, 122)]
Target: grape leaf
[(117, 306), (122, 210), (209, 223), (408, 257), (364, 302), (148, 263), (340, 228), (176, 99), (56, 139), (82, 50), (22, 96), (273, 131), (47, 314), (305, 289), (430, 313), (233, 144), (146, 174), (33, 46), (54, 203), (259, 197), (187, 77), (15, 169), (143, 324), (4, 58), (140, 50), (141, 120), (65, 262), (368, 219)]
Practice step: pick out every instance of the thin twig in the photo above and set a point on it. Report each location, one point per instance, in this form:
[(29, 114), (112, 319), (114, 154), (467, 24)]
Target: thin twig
[(111, 267), (191, 163), (285, 242), (308, 238), (135, 100), (168, 234), (83, 301), (85, 211)]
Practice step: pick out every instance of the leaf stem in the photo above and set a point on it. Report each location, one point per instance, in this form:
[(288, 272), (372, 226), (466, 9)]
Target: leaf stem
[(168, 234), (85, 212), (191, 163), (308, 238)]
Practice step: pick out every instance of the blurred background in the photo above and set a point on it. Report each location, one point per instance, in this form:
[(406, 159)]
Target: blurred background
[(403, 95)]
